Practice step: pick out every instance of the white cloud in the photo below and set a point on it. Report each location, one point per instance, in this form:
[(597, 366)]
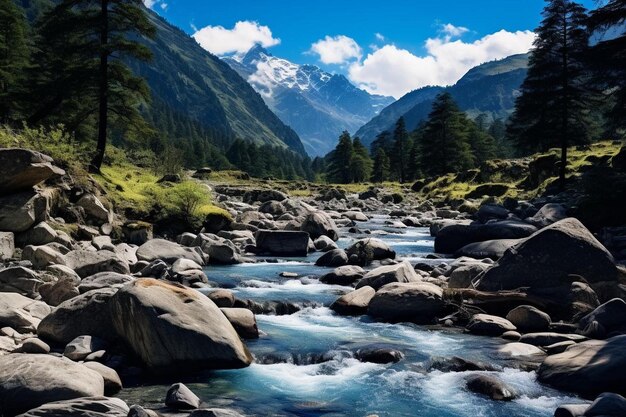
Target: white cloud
[(379, 36), (242, 37), (150, 4), (452, 31), (393, 71), (336, 49)]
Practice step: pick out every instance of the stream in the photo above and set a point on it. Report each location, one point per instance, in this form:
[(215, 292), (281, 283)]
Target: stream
[(305, 364)]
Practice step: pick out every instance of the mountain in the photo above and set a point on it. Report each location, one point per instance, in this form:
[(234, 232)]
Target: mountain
[(316, 104), (488, 88), (195, 92)]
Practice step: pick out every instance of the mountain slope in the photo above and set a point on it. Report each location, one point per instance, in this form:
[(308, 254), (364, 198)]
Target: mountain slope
[(316, 104), (489, 88)]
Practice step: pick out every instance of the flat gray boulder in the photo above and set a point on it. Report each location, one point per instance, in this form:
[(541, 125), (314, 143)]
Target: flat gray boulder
[(282, 242), (174, 329), (355, 302), (28, 381), (21, 313), (400, 272), (493, 249), (453, 237), (81, 407), (87, 263)]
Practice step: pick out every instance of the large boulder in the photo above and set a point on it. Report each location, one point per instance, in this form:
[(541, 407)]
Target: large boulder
[(263, 196), (94, 209), (282, 242), (548, 214), (21, 280), (87, 263), (81, 407), (40, 234), (20, 211), (588, 368), (168, 251), (488, 325), (411, 301), (173, 328), (549, 257), (608, 318), (29, 380), (493, 249), (529, 319), (20, 169), (607, 404), (334, 258), (343, 275), (104, 280), (400, 272), (372, 249), (86, 314), (243, 321), (355, 302), (490, 386), (453, 237), (319, 223)]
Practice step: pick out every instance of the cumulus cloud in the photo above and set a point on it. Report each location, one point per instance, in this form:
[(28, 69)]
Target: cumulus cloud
[(394, 71), (151, 4), (451, 31), (336, 49), (243, 36)]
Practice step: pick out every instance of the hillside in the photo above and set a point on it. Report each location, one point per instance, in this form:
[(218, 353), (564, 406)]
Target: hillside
[(316, 104), (489, 88), (193, 90)]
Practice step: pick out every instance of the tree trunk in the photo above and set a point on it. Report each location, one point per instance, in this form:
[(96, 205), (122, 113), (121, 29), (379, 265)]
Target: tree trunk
[(565, 109), (103, 94)]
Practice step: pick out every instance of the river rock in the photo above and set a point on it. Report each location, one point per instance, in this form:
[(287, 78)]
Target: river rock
[(549, 338), (94, 209), (262, 196), (87, 263), (112, 381), (529, 319), (82, 346), (215, 412), (343, 275), (243, 321), (222, 298), (173, 328), (21, 313), (610, 315), (333, 258), (518, 349), (21, 169), (179, 397), (355, 302), (54, 293), (549, 257), (607, 404), (28, 381), (375, 248), (411, 301), (487, 325), (223, 252), (168, 251), (319, 223), (40, 234), (324, 243), (282, 243), (463, 276), (457, 364), (401, 272), (43, 256), (571, 410), (86, 314), (20, 211), (379, 355), (588, 368), (34, 345), (491, 386), (81, 407), (453, 237)]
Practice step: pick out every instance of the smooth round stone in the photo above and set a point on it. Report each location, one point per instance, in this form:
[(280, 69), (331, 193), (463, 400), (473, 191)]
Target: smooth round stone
[(516, 349), (35, 345), (511, 335)]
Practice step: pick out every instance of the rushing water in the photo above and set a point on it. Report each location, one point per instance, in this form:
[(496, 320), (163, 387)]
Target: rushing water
[(305, 362)]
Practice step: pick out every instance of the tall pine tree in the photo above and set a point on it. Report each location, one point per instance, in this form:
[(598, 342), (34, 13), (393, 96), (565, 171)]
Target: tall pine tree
[(85, 41), (361, 164), (401, 150), (340, 160), (380, 171), (552, 109), (14, 52), (444, 144)]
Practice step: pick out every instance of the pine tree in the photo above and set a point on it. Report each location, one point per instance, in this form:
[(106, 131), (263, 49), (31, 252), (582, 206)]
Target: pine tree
[(444, 145), (361, 164), (483, 145), (384, 141), (551, 111), (401, 149), (380, 171), (497, 130), (415, 156), (608, 60), (83, 44), (14, 53), (340, 161)]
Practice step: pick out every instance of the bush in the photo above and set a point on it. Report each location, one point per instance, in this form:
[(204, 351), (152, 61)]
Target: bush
[(187, 198)]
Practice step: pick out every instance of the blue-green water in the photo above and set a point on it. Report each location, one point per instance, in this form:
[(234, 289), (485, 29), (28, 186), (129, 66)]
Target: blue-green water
[(341, 385)]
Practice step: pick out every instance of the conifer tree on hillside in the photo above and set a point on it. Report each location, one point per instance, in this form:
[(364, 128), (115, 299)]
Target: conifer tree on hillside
[(384, 140), (608, 60), (361, 164), (483, 145), (552, 109), (81, 72), (401, 150), (380, 170), (497, 130), (14, 53), (444, 142), (415, 155), (340, 160)]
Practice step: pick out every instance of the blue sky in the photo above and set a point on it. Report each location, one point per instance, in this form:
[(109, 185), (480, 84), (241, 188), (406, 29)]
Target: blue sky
[(357, 30)]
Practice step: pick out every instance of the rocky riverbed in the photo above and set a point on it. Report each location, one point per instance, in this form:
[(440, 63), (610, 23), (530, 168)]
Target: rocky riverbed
[(328, 305)]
